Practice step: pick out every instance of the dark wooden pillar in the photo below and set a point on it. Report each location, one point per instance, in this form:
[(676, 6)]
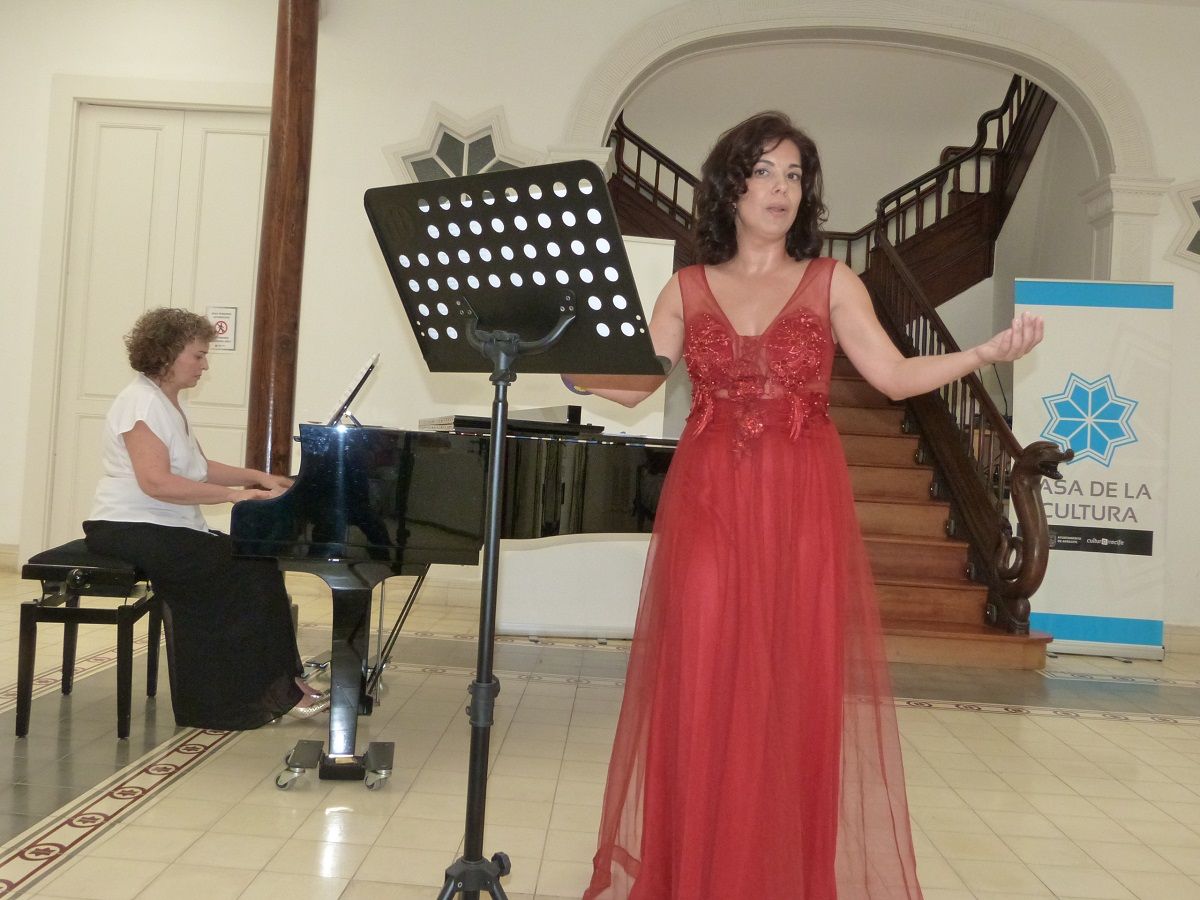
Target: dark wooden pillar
[(281, 251)]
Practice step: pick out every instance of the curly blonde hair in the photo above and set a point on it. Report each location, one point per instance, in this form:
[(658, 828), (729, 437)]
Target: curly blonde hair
[(159, 336)]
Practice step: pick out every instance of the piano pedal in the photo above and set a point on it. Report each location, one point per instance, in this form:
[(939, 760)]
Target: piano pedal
[(316, 665)]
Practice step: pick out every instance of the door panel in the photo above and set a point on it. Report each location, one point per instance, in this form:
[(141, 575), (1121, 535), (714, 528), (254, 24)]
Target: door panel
[(165, 211)]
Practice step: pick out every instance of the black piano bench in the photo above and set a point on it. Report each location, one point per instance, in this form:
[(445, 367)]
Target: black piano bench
[(68, 573)]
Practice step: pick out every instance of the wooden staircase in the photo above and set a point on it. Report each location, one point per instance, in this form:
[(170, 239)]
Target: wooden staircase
[(932, 612)]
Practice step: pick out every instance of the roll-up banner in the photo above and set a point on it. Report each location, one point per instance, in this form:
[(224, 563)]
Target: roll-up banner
[(1100, 385)]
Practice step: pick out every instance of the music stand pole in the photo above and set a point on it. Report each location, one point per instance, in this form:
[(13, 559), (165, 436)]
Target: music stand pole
[(471, 873)]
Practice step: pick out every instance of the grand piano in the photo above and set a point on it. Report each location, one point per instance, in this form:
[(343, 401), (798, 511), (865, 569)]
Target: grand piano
[(369, 503)]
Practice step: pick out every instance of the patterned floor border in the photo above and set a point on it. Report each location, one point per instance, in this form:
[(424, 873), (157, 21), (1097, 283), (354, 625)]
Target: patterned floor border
[(528, 677), (603, 646), (1123, 679), (50, 680), (31, 856), (1012, 709)]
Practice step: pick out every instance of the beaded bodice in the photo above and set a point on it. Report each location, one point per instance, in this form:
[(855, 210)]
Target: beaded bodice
[(778, 379)]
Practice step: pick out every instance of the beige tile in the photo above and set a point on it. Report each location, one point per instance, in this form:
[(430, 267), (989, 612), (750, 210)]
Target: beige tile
[(421, 834), (1159, 885), (936, 872), (1170, 834), (935, 797), (273, 885), (567, 879), (1133, 809), (144, 843), (185, 882), (582, 793), (534, 813), (1091, 828), (433, 781), (969, 845), (172, 812), (1049, 851), (999, 877), (516, 840), (400, 865), (1128, 857), (323, 859), (572, 817), (570, 846), (432, 806), (234, 851), (1185, 859), (266, 821), (519, 787), (103, 879), (1018, 823), (1091, 882), (1007, 800), (963, 820)]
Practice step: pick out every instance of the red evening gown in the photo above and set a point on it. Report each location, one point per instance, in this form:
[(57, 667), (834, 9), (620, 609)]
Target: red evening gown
[(757, 754)]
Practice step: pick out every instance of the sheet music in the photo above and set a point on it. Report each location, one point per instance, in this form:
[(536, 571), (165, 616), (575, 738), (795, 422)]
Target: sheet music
[(352, 391)]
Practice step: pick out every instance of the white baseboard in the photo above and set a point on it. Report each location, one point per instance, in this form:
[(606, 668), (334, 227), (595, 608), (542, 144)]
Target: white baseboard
[(1182, 638), (1095, 648), (8, 557)]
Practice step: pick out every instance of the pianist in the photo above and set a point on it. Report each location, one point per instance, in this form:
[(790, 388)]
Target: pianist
[(230, 643)]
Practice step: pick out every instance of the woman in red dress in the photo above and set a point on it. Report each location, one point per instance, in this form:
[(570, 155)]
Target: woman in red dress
[(757, 754)]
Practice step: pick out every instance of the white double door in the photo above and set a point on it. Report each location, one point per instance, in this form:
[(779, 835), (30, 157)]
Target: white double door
[(165, 211)]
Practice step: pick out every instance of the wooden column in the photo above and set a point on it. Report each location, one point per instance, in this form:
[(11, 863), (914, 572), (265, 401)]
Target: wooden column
[(281, 250)]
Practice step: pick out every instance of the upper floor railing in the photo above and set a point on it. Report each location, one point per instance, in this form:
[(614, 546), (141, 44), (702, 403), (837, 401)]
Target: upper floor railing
[(653, 174)]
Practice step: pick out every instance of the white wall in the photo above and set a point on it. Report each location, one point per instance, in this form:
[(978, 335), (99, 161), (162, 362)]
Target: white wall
[(381, 65)]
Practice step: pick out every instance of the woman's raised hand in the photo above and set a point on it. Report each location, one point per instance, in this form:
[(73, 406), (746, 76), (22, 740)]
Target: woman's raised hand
[(1023, 335)]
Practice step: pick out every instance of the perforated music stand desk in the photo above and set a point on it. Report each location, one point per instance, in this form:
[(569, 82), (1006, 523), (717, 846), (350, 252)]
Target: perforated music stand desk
[(522, 266)]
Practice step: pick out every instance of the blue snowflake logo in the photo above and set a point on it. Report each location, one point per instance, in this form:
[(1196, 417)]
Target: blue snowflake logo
[(1091, 418)]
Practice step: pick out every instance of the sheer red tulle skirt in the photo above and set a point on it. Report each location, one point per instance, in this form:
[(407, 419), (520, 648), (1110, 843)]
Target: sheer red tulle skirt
[(757, 754)]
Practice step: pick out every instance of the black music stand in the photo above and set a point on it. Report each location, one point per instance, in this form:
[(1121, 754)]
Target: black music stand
[(526, 266)]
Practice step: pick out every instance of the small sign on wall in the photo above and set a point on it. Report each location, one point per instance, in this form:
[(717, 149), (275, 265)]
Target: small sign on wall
[(224, 320)]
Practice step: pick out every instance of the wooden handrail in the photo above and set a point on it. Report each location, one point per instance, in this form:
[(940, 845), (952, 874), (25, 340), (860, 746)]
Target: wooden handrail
[(976, 452), (649, 159)]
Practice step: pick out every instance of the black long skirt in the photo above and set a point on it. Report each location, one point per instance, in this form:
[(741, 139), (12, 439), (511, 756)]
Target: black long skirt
[(230, 644)]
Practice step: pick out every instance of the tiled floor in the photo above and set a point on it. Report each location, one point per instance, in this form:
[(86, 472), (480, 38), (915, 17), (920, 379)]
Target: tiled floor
[(1081, 785)]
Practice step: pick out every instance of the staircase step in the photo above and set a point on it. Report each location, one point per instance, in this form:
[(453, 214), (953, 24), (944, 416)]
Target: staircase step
[(882, 482), (867, 419), (932, 600), (854, 391), (977, 646), (843, 368), (922, 518), (896, 557), (880, 449)]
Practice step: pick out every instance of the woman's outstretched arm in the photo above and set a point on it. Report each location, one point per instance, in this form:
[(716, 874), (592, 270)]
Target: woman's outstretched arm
[(666, 333), (876, 358)]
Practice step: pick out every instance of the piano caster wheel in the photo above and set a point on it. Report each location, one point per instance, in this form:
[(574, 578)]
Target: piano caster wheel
[(374, 780), (503, 863), (284, 780)]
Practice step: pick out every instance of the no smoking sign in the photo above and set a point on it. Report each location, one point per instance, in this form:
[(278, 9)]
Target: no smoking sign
[(224, 320)]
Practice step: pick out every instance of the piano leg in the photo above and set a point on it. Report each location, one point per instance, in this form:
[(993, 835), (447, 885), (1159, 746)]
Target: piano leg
[(348, 671)]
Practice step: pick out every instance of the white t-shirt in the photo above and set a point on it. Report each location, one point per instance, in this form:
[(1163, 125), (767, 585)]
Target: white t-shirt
[(118, 497)]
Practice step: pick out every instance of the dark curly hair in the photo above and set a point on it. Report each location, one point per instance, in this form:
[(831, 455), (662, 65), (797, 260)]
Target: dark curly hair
[(723, 179), (159, 336)]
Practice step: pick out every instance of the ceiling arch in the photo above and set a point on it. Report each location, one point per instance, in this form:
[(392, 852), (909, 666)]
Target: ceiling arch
[(1074, 72)]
